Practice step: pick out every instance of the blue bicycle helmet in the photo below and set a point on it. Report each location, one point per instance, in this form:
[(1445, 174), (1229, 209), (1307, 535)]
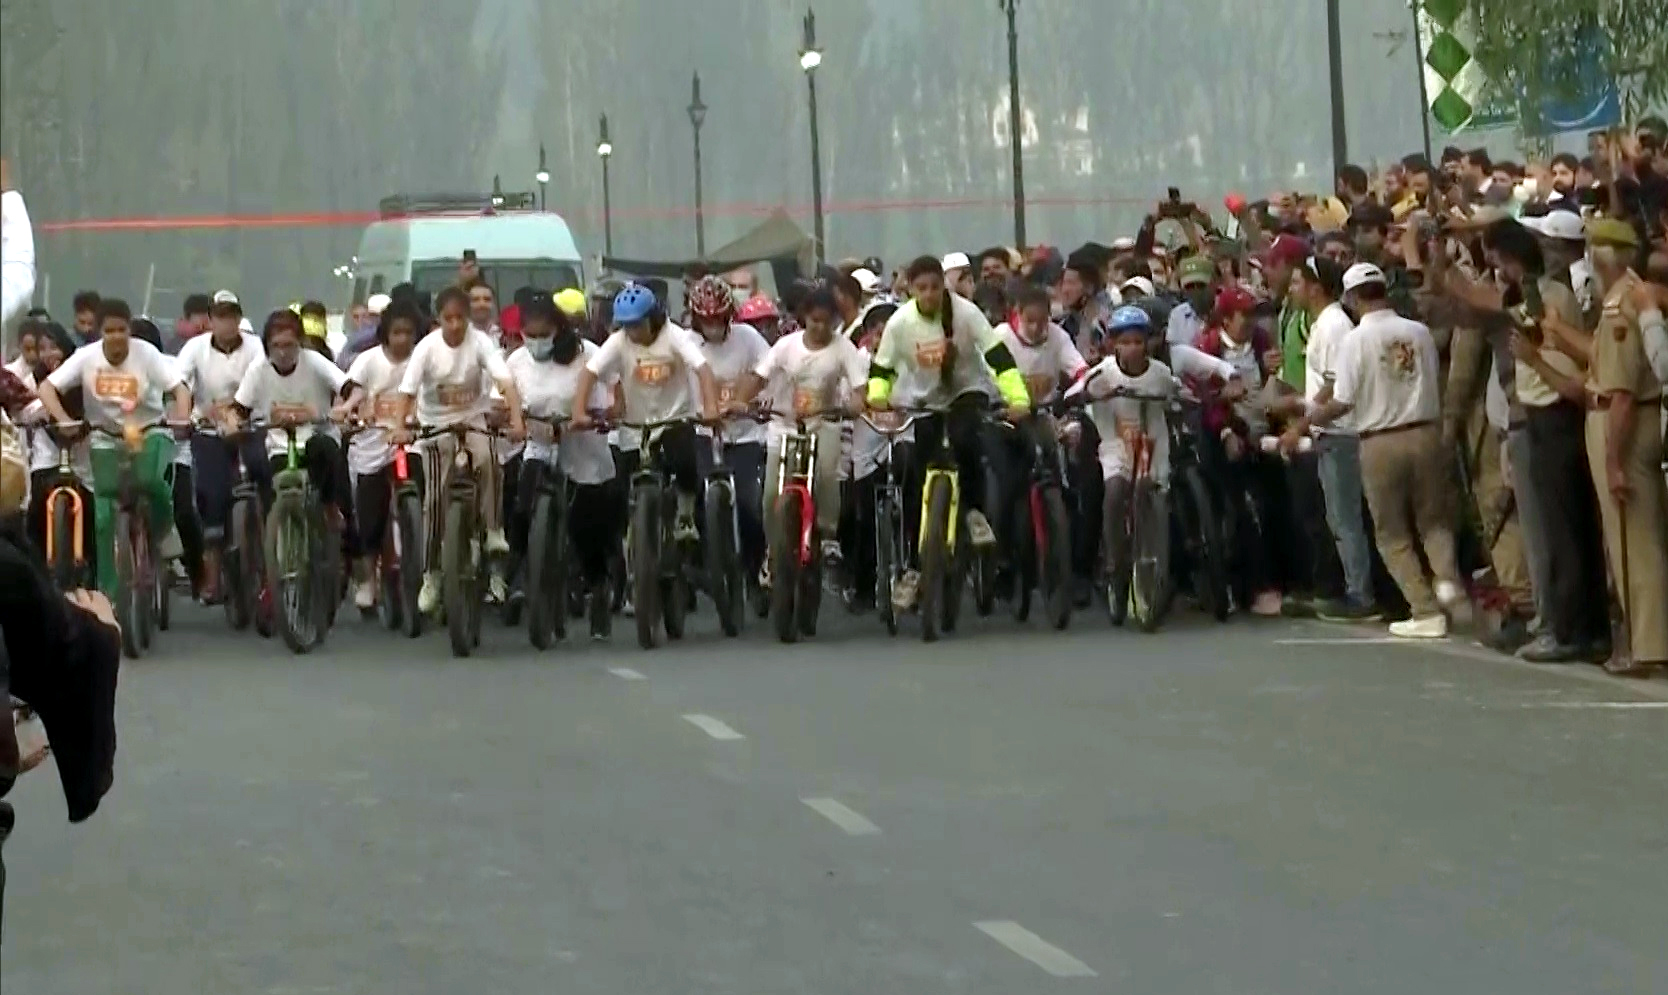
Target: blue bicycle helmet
[(1128, 317), (633, 305)]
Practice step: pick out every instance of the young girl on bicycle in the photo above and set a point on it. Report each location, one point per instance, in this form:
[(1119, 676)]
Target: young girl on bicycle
[(373, 387), (448, 383)]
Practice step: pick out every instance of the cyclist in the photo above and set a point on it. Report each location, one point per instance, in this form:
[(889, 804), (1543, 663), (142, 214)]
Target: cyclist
[(733, 352), (547, 369), (296, 384), (814, 369), (212, 366), (1118, 420), (53, 348), (373, 388), (122, 380), (761, 313), (448, 383), (940, 348), (867, 453), (658, 366)]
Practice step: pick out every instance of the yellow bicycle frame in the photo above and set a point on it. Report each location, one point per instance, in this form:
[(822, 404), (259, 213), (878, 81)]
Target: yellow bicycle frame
[(934, 473)]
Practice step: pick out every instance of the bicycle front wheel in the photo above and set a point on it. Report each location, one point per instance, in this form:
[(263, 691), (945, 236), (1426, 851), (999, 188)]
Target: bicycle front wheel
[(408, 519), (729, 592), (1149, 595), (289, 552), (885, 562), (459, 559), (545, 602), (129, 598), (936, 568), (785, 567), (1055, 559), (645, 565)]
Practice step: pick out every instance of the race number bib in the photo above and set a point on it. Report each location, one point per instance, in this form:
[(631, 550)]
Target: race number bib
[(292, 412), (387, 406), (113, 386), (806, 400), (652, 372), (456, 396), (727, 391), (930, 355)]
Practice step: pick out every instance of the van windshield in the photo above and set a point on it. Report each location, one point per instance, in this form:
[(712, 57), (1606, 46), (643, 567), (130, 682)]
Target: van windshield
[(505, 276)]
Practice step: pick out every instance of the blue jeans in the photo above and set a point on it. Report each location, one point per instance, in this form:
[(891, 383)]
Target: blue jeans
[(1340, 476)]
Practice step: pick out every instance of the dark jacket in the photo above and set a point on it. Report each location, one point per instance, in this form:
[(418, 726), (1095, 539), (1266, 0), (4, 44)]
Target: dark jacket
[(63, 662)]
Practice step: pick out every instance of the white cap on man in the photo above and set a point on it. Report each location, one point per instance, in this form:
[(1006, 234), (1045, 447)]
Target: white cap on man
[(225, 297), (1142, 286), (1362, 274), (957, 260), (377, 304), (866, 280)]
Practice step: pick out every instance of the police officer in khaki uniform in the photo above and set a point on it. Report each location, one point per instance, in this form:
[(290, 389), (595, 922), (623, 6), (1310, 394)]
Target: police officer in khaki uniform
[(1624, 452)]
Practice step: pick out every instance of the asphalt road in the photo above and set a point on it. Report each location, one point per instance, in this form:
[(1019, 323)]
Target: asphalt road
[(1252, 808)]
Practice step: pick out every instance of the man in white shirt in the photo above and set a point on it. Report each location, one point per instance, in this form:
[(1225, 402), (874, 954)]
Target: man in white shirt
[(1388, 381)]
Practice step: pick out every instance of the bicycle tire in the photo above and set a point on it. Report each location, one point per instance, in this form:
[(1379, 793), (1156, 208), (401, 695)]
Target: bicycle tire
[(956, 582), (408, 517), (885, 550), (675, 591), (645, 565), (1024, 559), (64, 570), (144, 581), (1207, 560), (981, 565), (390, 613), (541, 600), (808, 602), (1055, 562), (288, 552), (457, 569), (164, 587), (935, 555), (785, 567), (126, 605), (257, 580), (724, 577), (331, 579), (1149, 595)]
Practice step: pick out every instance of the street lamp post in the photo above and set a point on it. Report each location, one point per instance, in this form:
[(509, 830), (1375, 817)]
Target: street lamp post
[(1015, 120), (698, 117), (810, 57), (1335, 76), (605, 151), (543, 176)]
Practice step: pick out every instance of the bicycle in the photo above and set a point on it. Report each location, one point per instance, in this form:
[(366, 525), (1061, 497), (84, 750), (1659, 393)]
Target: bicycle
[(246, 592), (1041, 530), (660, 591), (303, 549), (135, 548), (548, 565), (399, 563), (463, 542), (1144, 593), (891, 550), (66, 515), (946, 561), (1198, 515), (721, 543), (796, 558)]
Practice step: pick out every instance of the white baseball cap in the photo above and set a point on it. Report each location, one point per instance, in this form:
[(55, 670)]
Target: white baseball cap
[(1564, 225), (1143, 286), (866, 279), (378, 303), (225, 297), (1123, 244), (957, 260), (1362, 274)]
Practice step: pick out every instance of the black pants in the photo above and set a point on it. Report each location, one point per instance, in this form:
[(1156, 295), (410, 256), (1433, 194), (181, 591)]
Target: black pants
[(40, 487), (213, 478), (1086, 500), (1257, 482), (1316, 570), (596, 519), (188, 524), (326, 468), (746, 463), (373, 496), (977, 451), (857, 533), (1575, 545), (674, 451)]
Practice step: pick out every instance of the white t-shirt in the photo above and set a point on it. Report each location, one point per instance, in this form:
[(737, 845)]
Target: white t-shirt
[(213, 375), (307, 393), (547, 392), (182, 453), (914, 348), (142, 380), (801, 379), (453, 385), (656, 378), (1044, 365), (1111, 413), (731, 360), (1389, 373), (380, 377), (1326, 338)]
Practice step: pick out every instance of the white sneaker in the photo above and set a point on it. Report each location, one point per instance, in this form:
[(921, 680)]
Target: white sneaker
[(979, 532), (496, 544), (1429, 627), (364, 594), (905, 590), (497, 589), (428, 599), (1449, 594)]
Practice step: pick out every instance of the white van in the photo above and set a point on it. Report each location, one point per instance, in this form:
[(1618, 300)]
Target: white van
[(422, 238)]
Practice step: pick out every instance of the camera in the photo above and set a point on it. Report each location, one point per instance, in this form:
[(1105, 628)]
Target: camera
[(1174, 207)]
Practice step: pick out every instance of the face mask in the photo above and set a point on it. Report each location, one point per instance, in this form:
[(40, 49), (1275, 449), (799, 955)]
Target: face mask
[(540, 349)]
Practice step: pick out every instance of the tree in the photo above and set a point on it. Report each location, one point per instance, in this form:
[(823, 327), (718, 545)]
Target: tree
[(1535, 48)]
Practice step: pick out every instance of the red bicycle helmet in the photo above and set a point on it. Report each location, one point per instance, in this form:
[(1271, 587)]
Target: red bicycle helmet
[(758, 309), (712, 300)]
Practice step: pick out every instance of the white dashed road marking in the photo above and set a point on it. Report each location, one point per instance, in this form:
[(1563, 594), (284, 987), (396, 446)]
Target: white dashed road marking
[(626, 674), (713, 727), (1035, 949), (1596, 704), (852, 822)]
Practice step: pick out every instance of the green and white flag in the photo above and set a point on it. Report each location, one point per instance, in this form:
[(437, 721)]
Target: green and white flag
[(1454, 82)]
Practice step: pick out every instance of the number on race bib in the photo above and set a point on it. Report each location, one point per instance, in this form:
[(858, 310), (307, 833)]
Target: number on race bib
[(652, 372), (930, 355)]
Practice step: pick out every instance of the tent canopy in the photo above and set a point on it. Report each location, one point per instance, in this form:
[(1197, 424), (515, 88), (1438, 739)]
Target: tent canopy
[(776, 240)]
